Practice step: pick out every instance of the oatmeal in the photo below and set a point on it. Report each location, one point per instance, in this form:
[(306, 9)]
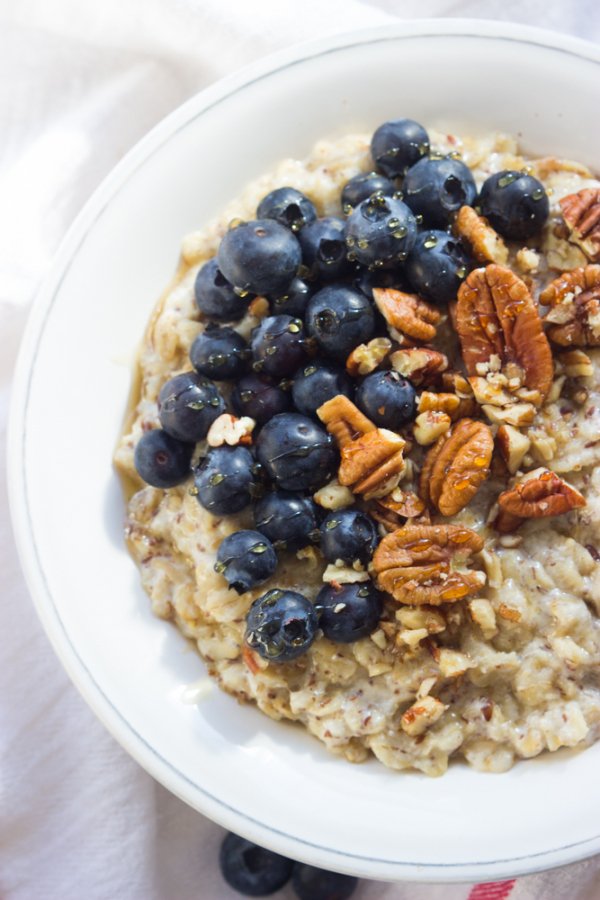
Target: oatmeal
[(479, 483)]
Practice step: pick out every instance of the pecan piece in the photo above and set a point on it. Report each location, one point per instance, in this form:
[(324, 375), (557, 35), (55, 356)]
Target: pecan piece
[(456, 466), (581, 212), (365, 358), (426, 564), (429, 426), (344, 420), (407, 313), (496, 317), (372, 465), (574, 317), (421, 365), (486, 244), (393, 510), (539, 494)]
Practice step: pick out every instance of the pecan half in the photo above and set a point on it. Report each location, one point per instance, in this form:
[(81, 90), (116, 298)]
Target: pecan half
[(393, 510), (407, 313), (344, 420), (486, 245), (421, 365), (372, 465), (539, 494), (581, 212), (496, 317), (439, 402), (574, 317), (365, 358), (427, 564), (456, 466)]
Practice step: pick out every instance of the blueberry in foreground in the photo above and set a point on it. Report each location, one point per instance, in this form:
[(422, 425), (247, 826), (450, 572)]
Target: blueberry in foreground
[(288, 520), (226, 480), (260, 256), (311, 883), (251, 870), (215, 297), (437, 266), (367, 279), (316, 382), (516, 204), (162, 460), (324, 248), (387, 399), (339, 318), (245, 559), (349, 612), (363, 186), (380, 232), (287, 206), (295, 300), (436, 188), (188, 404), (278, 346), (296, 453), (397, 145), (281, 625), (258, 397), (348, 535), (219, 352)]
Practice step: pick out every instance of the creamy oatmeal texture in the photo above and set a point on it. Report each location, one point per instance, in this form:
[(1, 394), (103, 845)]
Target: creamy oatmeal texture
[(507, 673)]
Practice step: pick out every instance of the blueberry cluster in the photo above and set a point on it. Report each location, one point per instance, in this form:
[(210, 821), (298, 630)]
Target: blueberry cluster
[(318, 275)]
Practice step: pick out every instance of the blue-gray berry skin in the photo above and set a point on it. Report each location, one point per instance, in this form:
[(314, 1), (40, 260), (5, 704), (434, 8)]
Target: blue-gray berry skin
[(348, 535), (227, 481), (349, 612), (162, 460), (365, 185), (245, 559), (310, 883), (316, 382), (387, 399), (437, 266), (278, 346), (287, 206), (436, 187), (258, 397), (515, 203), (339, 318), (220, 353), (288, 520), (295, 299), (296, 453), (281, 625), (397, 145), (380, 232), (324, 249), (215, 296), (251, 870), (188, 404), (260, 256)]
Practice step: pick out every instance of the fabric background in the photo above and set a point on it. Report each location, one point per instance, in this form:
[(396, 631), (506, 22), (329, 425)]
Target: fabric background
[(80, 82)]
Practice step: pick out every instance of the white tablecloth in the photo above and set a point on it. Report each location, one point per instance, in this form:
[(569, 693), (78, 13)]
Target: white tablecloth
[(80, 82)]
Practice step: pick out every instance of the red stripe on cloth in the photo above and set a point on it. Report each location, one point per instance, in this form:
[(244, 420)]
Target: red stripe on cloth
[(493, 890)]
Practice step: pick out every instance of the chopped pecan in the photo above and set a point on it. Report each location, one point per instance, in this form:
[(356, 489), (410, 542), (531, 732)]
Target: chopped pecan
[(575, 364), (574, 317), (496, 317), (418, 717), (486, 244), (513, 446), (367, 357), (407, 313), (421, 365), (581, 212), (227, 429), (439, 402), (426, 564), (456, 466), (393, 510), (429, 426), (539, 494), (344, 420), (372, 465)]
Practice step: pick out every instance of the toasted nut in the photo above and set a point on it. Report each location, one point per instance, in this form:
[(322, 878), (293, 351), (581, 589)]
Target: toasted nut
[(418, 717), (420, 564), (344, 420), (487, 246), (550, 165), (482, 613), (429, 426), (574, 317), (513, 446), (367, 357), (441, 402), (407, 313), (543, 445), (575, 364), (456, 466), (454, 381), (509, 612), (519, 414), (373, 464), (496, 316), (421, 365), (540, 493), (334, 496), (425, 687), (581, 212), (425, 617), (227, 429), (335, 574), (452, 663), (393, 510), (527, 260)]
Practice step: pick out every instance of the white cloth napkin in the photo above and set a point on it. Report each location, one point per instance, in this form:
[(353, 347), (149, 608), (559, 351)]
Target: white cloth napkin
[(80, 82)]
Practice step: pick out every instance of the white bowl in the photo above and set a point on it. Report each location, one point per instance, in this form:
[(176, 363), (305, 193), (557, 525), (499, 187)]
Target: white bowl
[(263, 779)]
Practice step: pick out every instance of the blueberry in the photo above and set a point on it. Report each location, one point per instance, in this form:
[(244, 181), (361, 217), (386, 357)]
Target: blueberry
[(188, 404), (387, 399), (287, 206), (215, 297), (288, 520), (251, 870), (367, 279), (363, 186), (260, 256), (226, 481), (381, 231), (281, 625), (349, 612), (516, 204), (219, 352), (162, 460), (310, 883), (437, 266), (257, 397), (316, 382), (340, 318), (245, 559), (295, 299), (296, 453), (278, 346), (348, 535), (324, 248), (397, 145), (436, 188)]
